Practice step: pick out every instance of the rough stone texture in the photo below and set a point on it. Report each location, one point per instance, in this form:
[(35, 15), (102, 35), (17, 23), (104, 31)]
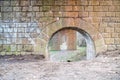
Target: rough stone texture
[(33, 23), (64, 36), (33, 67)]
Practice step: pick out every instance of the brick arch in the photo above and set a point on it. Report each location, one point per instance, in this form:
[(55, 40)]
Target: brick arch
[(82, 26)]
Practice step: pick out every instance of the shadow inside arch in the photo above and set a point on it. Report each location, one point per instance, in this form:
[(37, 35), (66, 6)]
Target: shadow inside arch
[(90, 47)]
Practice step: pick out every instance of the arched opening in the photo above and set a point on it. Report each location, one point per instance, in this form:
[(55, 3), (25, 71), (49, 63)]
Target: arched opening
[(71, 44)]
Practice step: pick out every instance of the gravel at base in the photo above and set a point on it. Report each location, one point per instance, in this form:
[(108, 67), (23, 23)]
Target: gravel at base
[(103, 67)]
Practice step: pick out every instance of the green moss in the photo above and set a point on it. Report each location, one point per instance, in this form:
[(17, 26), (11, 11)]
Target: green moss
[(6, 48)]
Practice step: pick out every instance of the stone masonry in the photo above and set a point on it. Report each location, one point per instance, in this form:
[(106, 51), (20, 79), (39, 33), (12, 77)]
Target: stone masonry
[(64, 36), (27, 25)]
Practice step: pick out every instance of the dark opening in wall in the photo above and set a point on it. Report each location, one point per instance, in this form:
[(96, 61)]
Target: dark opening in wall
[(71, 44)]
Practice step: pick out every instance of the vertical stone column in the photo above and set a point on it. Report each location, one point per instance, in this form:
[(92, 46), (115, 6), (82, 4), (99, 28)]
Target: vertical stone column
[(71, 38), (67, 36)]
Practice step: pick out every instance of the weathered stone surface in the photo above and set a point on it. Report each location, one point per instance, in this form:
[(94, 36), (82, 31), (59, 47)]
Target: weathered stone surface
[(6, 48), (22, 22), (1, 48), (28, 48), (6, 9), (111, 47), (109, 41), (13, 48)]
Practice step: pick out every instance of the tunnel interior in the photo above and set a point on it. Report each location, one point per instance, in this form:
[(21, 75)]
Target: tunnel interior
[(71, 44)]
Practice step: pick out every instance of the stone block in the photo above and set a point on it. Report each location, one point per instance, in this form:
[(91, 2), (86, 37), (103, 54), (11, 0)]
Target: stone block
[(57, 14), (8, 53), (9, 41), (115, 35), (1, 41), (104, 3), (71, 2), (37, 48), (89, 8), (28, 48), (111, 25), (3, 53), (21, 53), (46, 8), (20, 48), (7, 15), (117, 14), (36, 8), (20, 35), (4, 41), (109, 30), (110, 14), (6, 9), (1, 48), (109, 41), (103, 25), (31, 14), (49, 14), (97, 14), (15, 30), (117, 30), (117, 8), (19, 40), (6, 48), (111, 47), (106, 35), (58, 2), (82, 2), (76, 8), (94, 2), (15, 3), (117, 40), (81, 8), (119, 35), (118, 47), (13, 48), (36, 2), (68, 8), (24, 3), (96, 19), (100, 8), (21, 30), (116, 2), (62, 8), (55, 8), (1, 3), (83, 14), (48, 2), (23, 14), (0, 14), (17, 8), (1, 29), (114, 8), (25, 8), (17, 15), (25, 40), (6, 3)]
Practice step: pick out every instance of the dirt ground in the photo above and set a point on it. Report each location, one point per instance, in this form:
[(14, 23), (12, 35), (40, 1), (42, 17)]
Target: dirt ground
[(104, 67)]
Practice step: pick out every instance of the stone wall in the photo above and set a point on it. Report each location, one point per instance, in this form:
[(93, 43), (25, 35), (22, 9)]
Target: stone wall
[(27, 25)]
